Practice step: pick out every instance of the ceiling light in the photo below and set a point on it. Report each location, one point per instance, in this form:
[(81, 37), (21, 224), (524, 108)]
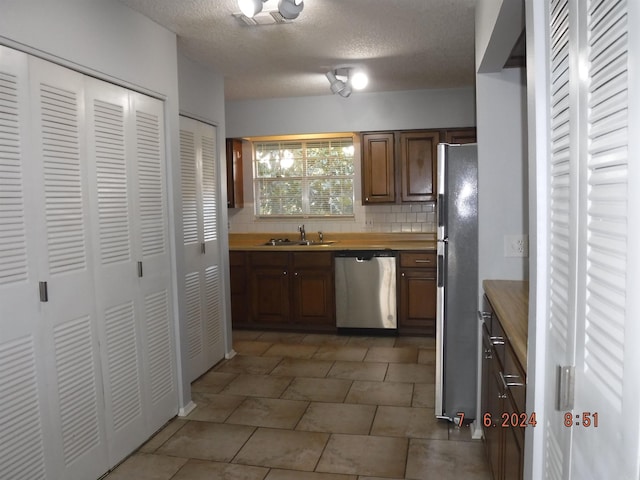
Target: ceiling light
[(290, 9), (359, 80), (338, 86), (250, 8)]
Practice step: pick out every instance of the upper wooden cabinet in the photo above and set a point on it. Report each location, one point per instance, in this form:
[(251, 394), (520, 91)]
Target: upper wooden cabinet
[(400, 166), (461, 135), (418, 161), (235, 191), (378, 168)]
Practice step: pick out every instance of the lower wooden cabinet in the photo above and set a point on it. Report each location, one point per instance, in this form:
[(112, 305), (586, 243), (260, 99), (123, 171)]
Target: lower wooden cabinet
[(238, 265), (503, 402), (417, 293), (288, 290), (313, 290), (269, 287)]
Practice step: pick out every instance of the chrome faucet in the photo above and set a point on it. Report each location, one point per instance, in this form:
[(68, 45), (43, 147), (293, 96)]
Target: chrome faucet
[(320, 236), (303, 234)]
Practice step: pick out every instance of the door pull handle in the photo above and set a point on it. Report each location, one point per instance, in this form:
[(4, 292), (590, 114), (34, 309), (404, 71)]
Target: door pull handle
[(44, 292)]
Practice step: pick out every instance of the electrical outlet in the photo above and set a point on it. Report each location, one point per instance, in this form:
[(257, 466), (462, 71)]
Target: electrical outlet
[(516, 245)]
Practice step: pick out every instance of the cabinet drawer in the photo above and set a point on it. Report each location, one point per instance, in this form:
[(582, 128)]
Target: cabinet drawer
[(418, 259), (498, 339), (515, 376), (312, 259)]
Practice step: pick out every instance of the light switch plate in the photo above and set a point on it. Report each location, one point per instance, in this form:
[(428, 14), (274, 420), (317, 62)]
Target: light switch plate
[(516, 245)]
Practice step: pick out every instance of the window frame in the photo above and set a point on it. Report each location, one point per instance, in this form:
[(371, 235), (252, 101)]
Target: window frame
[(304, 179)]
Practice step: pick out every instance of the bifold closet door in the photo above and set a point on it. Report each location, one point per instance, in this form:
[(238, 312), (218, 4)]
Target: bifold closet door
[(153, 260), (199, 166), (69, 317), (111, 180), (87, 362), (132, 265), (24, 415)]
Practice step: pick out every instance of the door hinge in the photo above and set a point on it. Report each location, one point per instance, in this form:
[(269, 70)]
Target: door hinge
[(566, 387)]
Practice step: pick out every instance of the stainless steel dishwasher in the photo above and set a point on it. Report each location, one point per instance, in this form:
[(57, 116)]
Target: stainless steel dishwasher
[(366, 291)]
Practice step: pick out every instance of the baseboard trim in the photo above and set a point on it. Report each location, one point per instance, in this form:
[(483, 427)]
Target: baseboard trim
[(187, 409)]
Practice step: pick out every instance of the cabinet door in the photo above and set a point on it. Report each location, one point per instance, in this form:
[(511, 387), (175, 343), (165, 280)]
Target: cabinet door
[(513, 448), (494, 434), (235, 179), (239, 288), (269, 288), (462, 135), (313, 291), (378, 168), (418, 162), (418, 300)]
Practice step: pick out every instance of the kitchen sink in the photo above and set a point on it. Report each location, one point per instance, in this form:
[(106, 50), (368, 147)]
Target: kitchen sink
[(285, 242)]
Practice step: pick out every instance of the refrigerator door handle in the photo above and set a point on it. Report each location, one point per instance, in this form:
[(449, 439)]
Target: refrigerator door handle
[(439, 270)]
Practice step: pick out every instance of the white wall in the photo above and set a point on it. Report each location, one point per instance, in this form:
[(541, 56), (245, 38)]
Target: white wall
[(499, 24), (437, 108), (502, 174), (106, 39)]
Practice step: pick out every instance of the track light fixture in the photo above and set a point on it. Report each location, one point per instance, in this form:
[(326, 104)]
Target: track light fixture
[(358, 81), (289, 9), (338, 86)]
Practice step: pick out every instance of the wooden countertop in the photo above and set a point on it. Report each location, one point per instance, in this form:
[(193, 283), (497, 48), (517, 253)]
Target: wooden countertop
[(342, 241), (510, 302)]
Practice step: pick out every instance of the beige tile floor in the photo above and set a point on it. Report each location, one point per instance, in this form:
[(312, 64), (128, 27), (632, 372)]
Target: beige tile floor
[(313, 407)]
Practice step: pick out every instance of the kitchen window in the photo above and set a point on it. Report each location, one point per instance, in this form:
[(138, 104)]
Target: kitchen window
[(304, 177)]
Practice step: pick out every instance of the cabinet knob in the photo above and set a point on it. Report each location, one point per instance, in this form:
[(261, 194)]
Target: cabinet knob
[(402, 274), (284, 273), (296, 274)]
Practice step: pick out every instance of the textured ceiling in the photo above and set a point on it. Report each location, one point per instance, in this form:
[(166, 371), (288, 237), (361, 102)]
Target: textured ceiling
[(402, 44)]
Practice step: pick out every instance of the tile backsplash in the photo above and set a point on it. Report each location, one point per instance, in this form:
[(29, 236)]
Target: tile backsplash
[(405, 218)]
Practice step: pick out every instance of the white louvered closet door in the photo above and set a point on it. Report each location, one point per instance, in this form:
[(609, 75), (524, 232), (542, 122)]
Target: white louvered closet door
[(606, 385), (111, 180), (588, 323), (152, 252), (69, 315), (24, 416), (563, 215), (198, 159)]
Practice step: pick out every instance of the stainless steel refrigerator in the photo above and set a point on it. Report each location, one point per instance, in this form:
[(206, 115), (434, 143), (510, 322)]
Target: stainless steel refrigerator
[(457, 297)]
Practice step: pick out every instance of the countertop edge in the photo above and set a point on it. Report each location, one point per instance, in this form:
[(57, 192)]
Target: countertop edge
[(348, 241), (510, 301)]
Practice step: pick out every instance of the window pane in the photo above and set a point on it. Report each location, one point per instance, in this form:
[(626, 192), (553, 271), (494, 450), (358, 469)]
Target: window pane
[(280, 197), (331, 196), (276, 159)]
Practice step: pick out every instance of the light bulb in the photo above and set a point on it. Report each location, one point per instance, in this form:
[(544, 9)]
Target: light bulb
[(359, 80), (249, 8)]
